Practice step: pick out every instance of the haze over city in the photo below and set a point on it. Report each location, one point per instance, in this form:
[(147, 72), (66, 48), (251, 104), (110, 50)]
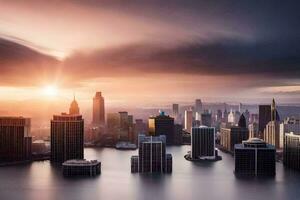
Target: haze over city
[(147, 53)]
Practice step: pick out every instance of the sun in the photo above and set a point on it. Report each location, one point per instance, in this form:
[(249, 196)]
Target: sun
[(50, 90)]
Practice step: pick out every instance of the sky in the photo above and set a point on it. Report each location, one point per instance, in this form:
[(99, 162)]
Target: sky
[(146, 53)]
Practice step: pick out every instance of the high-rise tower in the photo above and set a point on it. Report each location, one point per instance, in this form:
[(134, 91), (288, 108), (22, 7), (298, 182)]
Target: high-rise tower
[(74, 108), (98, 109)]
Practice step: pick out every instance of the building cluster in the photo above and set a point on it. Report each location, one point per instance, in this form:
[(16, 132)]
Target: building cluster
[(252, 138)]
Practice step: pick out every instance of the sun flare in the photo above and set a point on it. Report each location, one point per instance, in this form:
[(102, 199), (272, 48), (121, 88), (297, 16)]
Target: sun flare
[(50, 90)]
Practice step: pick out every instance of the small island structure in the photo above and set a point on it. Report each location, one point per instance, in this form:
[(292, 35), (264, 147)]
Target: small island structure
[(81, 167), (203, 145)]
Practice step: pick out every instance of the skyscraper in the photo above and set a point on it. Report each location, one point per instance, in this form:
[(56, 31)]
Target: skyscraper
[(113, 124), (264, 117), (203, 142), (198, 106), (175, 110), (152, 156), (272, 134), (254, 157), (206, 119), (162, 125), (74, 108), (124, 125), (234, 135), (15, 142), (291, 151), (98, 110), (253, 130), (66, 137), (188, 120)]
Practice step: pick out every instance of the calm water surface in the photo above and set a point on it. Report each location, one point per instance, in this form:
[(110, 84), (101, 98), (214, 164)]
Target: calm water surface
[(209, 181)]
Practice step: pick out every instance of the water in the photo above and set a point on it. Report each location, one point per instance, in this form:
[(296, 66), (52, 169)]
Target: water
[(207, 181)]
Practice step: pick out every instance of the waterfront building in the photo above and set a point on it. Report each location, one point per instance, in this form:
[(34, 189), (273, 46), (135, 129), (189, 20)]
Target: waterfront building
[(152, 156), (254, 157), (66, 137), (272, 134), (81, 168), (113, 124), (15, 140), (203, 142), (291, 150), (98, 109), (290, 124), (162, 125)]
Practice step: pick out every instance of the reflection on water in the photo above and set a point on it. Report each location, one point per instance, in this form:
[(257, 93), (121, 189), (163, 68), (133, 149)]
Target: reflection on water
[(189, 180)]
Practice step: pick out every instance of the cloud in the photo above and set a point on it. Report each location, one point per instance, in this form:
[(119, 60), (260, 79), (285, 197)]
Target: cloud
[(216, 57), (22, 65)]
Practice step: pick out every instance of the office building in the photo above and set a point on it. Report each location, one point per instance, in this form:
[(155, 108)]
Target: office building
[(188, 120), (206, 119), (272, 134), (198, 106), (98, 109), (152, 156), (234, 135), (264, 117), (291, 150), (254, 157), (175, 110), (66, 137), (124, 125), (290, 124), (162, 125), (113, 124), (253, 130), (15, 140), (81, 168), (203, 142)]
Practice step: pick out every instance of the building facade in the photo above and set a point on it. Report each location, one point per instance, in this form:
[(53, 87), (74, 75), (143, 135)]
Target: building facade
[(98, 109), (152, 156), (162, 125), (66, 137), (203, 142), (15, 140), (291, 151), (254, 157), (188, 120)]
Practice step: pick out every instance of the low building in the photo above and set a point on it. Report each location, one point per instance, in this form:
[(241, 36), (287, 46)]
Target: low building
[(291, 151), (255, 157), (81, 168)]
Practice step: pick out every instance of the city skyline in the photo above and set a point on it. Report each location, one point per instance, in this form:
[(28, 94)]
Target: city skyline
[(209, 50)]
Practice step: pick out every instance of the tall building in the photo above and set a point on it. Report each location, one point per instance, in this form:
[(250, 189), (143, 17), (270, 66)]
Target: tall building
[(113, 124), (206, 119), (74, 108), (98, 109), (287, 126), (264, 117), (203, 142), (66, 137), (231, 117), (175, 110), (254, 157), (198, 106), (139, 128), (124, 125), (271, 131), (188, 120), (272, 134), (253, 130), (291, 151), (15, 140), (152, 156), (162, 125), (234, 135)]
